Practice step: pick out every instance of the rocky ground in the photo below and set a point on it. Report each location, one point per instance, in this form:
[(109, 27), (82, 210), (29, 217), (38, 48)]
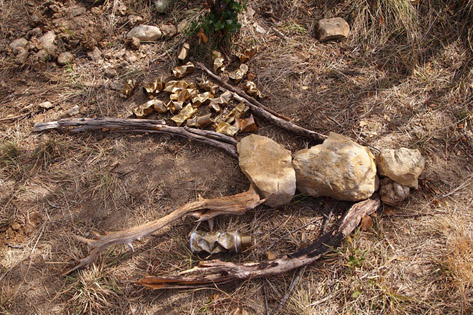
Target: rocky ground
[(72, 58)]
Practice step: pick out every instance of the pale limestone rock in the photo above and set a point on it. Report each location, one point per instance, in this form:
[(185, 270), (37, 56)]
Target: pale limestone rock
[(17, 44), (65, 58), (402, 165), (145, 33), (332, 29), (47, 42), (268, 165), (338, 168), (168, 30), (393, 193)]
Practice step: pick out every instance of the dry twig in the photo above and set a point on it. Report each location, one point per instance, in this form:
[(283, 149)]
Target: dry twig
[(216, 271)]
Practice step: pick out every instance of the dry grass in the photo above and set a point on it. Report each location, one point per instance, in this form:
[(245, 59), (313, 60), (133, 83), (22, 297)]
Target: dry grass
[(403, 78)]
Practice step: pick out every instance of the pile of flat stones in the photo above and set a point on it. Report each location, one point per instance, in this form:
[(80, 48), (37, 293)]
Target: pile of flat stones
[(338, 168)]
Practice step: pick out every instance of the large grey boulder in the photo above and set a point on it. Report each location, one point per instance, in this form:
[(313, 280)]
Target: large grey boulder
[(332, 29), (145, 33), (338, 168), (402, 165), (268, 166)]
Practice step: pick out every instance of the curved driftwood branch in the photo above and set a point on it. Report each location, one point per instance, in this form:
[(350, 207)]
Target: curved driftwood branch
[(226, 143), (204, 209), (263, 111), (216, 271)]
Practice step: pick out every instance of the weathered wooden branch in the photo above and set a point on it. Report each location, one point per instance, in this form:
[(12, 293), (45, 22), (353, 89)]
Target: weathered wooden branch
[(263, 111), (226, 143), (216, 271), (203, 209)]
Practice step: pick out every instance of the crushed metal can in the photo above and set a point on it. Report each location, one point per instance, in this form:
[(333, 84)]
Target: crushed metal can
[(218, 242)]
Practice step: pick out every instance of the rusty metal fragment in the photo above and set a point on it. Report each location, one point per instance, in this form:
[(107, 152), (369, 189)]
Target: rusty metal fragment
[(144, 109), (236, 113), (218, 61), (159, 106), (226, 129), (174, 106), (185, 113), (173, 86), (247, 124), (247, 54), (251, 89), (218, 242), (200, 121), (184, 52), (207, 85), (202, 98), (127, 90), (154, 87), (239, 73), (182, 71)]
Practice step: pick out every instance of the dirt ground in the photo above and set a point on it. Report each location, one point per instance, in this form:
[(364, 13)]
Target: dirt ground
[(397, 81)]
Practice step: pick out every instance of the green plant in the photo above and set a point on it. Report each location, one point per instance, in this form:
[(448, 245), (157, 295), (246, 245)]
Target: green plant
[(219, 22)]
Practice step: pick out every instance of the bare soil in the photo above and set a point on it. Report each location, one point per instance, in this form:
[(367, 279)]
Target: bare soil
[(418, 258)]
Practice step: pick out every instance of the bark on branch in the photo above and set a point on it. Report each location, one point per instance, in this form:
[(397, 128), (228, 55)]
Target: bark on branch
[(216, 271), (263, 111), (226, 143), (204, 209)]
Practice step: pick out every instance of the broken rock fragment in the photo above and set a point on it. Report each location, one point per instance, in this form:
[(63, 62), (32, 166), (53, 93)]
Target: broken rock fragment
[(267, 164), (332, 29), (392, 193), (338, 168), (65, 58), (17, 44), (145, 33), (47, 42), (403, 165)]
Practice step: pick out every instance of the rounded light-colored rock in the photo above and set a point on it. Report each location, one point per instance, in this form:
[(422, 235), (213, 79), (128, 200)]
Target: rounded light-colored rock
[(17, 44), (47, 42), (145, 33), (338, 168), (65, 58), (267, 164), (402, 165), (393, 193), (332, 29)]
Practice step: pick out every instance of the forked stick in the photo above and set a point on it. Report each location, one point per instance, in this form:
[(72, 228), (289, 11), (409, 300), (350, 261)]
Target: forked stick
[(216, 271), (203, 209)]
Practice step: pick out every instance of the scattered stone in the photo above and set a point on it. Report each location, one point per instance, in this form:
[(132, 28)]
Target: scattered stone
[(65, 58), (332, 29), (403, 165), (133, 43), (145, 33), (16, 226), (393, 193), (35, 19), (95, 54), (268, 166), (134, 19), (22, 56), (162, 6), (41, 56), (338, 168), (35, 32), (77, 10), (17, 44), (168, 30), (182, 26), (73, 111), (110, 73), (130, 57), (47, 42), (46, 105)]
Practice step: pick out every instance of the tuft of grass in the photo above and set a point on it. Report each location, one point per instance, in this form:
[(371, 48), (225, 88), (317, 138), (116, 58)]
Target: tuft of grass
[(93, 291), (9, 153)]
